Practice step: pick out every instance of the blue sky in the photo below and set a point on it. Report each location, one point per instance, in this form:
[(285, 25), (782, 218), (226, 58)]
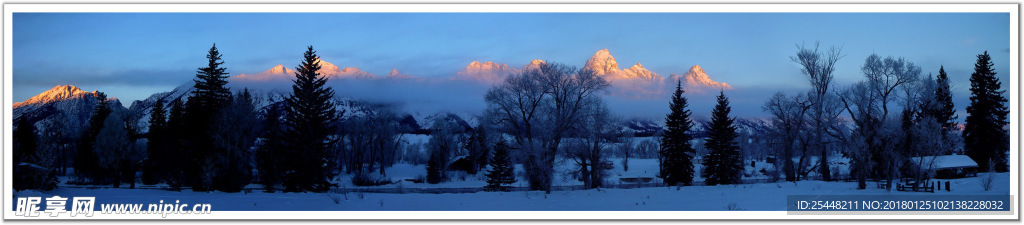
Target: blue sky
[(131, 55)]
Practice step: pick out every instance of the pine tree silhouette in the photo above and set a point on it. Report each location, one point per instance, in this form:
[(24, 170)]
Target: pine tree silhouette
[(208, 98), (985, 139), (944, 97), (476, 146), (310, 119), (502, 173), (156, 148), (25, 142), (724, 163), (176, 155), (676, 154), (269, 154), (86, 165)]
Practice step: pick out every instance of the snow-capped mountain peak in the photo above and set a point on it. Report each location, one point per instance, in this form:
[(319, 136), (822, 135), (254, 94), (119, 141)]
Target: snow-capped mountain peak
[(350, 72), (697, 70), (277, 72), (633, 82), (279, 69), (602, 63), (60, 92), (534, 64), (696, 77), (638, 72), (486, 66), (487, 72), (327, 68), (66, 106)]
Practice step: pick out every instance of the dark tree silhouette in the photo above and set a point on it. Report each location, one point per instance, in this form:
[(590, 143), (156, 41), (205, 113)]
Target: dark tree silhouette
[(819, 66), (476, 146), (946, 113), (310, 119), (434, 168), (25, 142), (676, 155), (235, 133), (270, 153), (156, 149), (724, 162), (206, 101), (86, 165), (210, 82), (502, 173), (174, 174), (984, 137)]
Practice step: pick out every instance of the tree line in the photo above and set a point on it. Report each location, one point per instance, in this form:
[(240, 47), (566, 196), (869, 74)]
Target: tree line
[(216, 139), (881, 122)]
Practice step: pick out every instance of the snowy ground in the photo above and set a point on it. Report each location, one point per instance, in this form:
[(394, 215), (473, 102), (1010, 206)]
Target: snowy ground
[(756, 196)]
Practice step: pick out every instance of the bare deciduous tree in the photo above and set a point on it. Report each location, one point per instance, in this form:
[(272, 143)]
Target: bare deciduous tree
[(819, 66), (877, 134), (538, 107), (372, 142), (596, 132), (789, 116)]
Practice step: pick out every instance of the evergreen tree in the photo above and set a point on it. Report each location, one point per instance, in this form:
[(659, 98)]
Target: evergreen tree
[(86, 165), (26, 150), (724, 162), (235, 132), (208, 98), (310, 119), (268, 155), (155, 160), (25, 142), (502, 173), (906, 143), (434, 168), (985, 139), (476, 146), (946, 114), (210, 89), (443, 143), (175, 154), (676, 154)]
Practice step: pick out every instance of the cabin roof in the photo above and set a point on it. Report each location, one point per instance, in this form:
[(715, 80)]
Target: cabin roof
[(945, 161)]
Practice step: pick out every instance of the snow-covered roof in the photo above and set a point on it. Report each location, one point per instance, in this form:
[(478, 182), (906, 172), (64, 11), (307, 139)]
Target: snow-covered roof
[(946, 161)]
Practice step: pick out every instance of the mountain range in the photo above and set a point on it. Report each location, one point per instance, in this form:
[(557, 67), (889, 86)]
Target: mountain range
[(69, 108), (633, 82), (71, 104), (66, 107)]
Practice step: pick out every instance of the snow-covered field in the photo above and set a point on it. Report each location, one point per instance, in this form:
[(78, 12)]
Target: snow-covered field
[(758, 196)]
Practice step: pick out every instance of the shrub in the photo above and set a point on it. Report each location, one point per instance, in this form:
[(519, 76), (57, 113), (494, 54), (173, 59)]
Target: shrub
[(366, 179), (773, 174), (31, 176)]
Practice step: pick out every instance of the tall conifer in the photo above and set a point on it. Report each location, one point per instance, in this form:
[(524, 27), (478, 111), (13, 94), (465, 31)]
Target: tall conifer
[(985, 139), (502, 173), (946, 114), (310, 118), (176, 154), (676, 154), (208, 98), (724, 162), (156, 148), (86, 165), (269, 154)]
